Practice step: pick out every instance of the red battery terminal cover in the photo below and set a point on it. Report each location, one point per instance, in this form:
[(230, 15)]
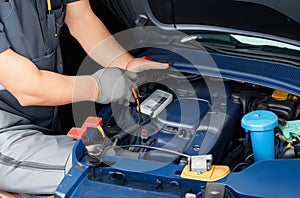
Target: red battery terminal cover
[(144, 134), (90, 122)]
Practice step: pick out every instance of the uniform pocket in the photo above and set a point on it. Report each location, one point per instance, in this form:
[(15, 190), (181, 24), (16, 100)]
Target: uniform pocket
[(46, 62), (55, 20), (6, 8), (59, 15)]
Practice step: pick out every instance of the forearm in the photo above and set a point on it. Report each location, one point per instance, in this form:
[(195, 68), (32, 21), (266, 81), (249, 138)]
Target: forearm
[(55, 89), (94, 36), (37, 87)]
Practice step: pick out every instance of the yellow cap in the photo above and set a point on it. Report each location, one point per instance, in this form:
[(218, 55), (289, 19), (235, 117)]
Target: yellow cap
[(280, 95), (295, 99), (215, 173)]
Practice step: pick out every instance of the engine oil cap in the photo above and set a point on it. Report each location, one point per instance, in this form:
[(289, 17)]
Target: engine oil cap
[(259, 120)]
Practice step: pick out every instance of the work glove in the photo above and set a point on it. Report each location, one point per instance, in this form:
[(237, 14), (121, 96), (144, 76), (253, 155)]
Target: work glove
[(115, 85)]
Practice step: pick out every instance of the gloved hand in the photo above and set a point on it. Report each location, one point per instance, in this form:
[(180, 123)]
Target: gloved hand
[(115, 85)]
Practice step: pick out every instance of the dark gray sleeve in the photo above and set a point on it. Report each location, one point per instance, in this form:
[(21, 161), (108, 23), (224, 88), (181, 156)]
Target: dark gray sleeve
[(4, 44)]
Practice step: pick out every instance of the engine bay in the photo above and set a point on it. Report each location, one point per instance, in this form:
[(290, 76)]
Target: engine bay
[(203, 117), (183, 136)]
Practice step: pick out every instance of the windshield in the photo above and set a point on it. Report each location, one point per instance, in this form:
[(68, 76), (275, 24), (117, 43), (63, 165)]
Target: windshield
[(244, 45), (261, 41)]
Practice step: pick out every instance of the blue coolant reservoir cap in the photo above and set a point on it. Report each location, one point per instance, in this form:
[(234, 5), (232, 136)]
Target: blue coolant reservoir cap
[(260, 120)]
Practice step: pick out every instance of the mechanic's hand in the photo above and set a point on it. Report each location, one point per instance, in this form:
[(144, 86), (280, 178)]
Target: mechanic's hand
[(115, 85), (141, 64)]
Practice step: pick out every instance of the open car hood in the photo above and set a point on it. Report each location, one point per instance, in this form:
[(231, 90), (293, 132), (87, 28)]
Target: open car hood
[(272, 19)]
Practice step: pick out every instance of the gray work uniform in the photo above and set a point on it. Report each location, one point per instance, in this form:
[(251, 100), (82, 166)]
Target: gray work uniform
[(32, 159)]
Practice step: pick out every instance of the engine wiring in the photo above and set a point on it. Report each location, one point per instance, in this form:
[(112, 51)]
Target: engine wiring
[(100, 129), (102, 150), (136, 97), (156, 148), (247, 162), (284, 146)]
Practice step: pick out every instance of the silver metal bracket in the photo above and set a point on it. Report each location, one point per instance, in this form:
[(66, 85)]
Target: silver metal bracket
[(200, 163)]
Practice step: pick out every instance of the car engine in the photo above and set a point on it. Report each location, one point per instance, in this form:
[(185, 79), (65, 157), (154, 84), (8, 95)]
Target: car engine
[(203, 116)]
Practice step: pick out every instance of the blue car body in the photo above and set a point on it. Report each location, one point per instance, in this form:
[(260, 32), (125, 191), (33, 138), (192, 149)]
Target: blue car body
[(228, 76)]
